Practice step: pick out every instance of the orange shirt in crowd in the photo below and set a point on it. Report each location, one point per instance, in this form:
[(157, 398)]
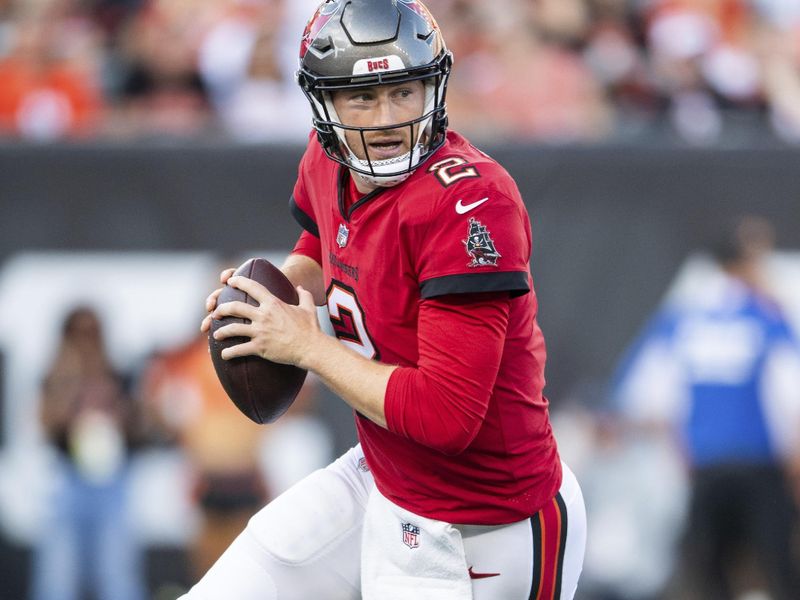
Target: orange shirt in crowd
[(52, 101), (183, 388)]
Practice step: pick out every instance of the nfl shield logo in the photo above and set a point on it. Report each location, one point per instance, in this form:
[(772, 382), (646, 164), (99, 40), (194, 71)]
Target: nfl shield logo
[(411, 535), (341, 237)]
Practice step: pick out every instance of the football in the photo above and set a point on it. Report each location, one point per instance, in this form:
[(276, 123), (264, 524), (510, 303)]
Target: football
[(263, 390)]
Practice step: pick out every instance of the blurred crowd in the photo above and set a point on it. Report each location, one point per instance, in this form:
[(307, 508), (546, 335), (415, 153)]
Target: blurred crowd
[(552, 71), (98, 420), (688, 455)]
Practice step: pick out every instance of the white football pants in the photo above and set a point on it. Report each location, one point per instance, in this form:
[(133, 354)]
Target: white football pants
[(306, 545)]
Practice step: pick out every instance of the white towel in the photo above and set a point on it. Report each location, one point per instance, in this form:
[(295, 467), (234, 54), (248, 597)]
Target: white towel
[(407, 556)]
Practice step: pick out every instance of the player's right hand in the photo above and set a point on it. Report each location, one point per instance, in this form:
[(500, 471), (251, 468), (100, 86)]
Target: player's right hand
[(211, 301)]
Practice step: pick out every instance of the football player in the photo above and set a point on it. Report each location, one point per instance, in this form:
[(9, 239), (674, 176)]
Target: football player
[(419, 245)]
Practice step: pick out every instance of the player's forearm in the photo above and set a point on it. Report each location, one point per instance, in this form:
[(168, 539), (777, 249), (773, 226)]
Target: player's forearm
[(305, 271), (357, 380)]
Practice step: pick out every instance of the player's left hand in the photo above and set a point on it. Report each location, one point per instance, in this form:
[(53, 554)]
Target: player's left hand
[(278, 331)]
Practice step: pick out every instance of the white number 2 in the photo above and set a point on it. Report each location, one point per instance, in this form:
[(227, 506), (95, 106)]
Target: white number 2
[(347, 319)]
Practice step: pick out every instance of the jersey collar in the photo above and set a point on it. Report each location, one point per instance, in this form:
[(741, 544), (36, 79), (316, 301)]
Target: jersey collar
[(343, 191)]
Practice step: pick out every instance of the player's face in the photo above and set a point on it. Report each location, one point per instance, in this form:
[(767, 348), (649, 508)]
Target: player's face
[(381, 106)]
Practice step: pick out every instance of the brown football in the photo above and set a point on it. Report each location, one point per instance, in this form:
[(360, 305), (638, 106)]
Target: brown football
[(263, 390)]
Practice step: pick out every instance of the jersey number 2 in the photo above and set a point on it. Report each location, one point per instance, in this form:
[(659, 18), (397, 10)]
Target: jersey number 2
[(347, 319), (452, 169)]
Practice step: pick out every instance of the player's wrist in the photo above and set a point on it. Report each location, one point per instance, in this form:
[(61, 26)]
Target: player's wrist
[(312, 350)]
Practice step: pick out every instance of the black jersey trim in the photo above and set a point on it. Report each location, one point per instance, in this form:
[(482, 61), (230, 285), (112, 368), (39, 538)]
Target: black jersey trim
[(515, 282), (305, 221)]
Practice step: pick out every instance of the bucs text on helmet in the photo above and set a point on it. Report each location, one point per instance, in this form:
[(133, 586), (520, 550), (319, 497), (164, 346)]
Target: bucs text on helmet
[(350, 44)]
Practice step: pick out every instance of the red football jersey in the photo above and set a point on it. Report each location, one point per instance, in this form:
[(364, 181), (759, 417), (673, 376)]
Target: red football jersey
[(456, 226)]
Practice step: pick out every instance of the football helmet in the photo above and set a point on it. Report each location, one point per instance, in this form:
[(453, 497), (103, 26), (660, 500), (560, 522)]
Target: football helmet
[(351, 44)]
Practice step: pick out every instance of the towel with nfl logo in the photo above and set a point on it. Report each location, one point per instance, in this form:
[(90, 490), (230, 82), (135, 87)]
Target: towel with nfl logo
[(407, 556)]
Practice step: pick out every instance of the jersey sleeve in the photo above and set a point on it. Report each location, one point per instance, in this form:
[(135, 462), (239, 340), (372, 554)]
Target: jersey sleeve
[(309, 245), (442, 402), (476, 241), (300, 203)]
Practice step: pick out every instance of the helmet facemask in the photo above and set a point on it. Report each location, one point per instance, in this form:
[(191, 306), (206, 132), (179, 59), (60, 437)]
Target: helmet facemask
[(426, 132)]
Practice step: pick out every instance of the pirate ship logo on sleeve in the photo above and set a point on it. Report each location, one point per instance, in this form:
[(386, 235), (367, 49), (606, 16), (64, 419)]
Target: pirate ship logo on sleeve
[(480, 245)]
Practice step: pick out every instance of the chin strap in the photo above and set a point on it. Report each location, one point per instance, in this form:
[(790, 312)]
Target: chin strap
[(382, 181), (383, 169)]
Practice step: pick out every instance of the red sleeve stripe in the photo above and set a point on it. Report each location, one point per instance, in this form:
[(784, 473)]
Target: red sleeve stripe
[(549, 529)]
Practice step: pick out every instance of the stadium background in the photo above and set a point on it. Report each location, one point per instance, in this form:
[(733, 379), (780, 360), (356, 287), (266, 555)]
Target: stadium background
[(155, 139)]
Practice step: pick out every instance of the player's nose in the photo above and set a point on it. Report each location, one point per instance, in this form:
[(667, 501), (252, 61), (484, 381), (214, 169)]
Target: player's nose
[(385, 113)]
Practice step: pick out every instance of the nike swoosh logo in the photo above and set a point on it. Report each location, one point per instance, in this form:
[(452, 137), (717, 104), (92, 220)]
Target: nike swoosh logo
[(462, 208), (481, 575)]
